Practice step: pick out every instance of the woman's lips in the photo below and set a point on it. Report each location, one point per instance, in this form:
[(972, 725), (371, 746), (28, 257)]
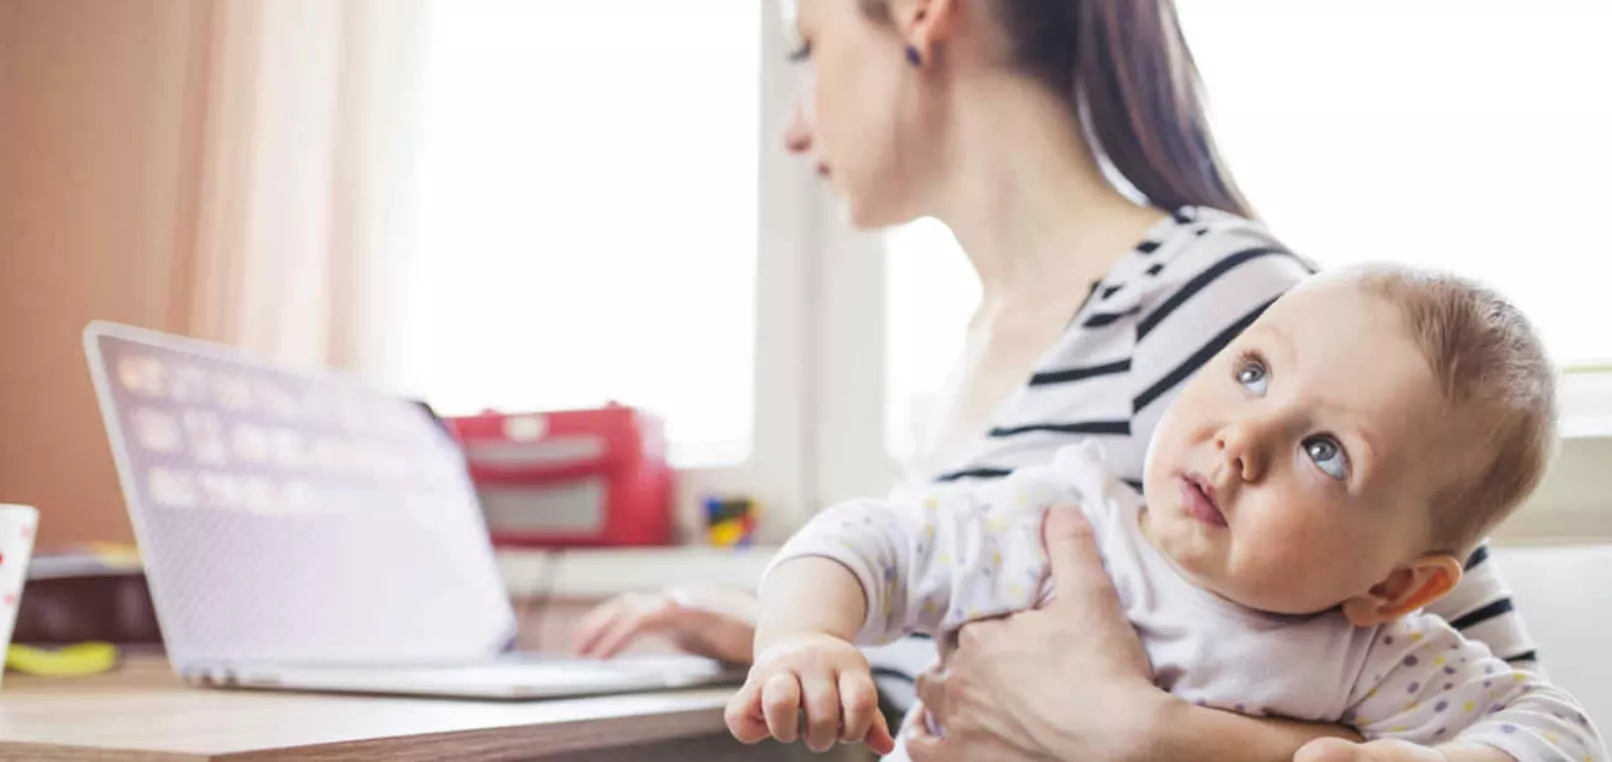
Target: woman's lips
[(1198, 500)]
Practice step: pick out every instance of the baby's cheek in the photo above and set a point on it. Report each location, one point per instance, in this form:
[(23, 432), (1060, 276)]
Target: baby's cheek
[(1311, 559), (1289, 562)]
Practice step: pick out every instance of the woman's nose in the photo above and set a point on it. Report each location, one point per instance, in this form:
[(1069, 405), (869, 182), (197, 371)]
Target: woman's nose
[(798, 137)]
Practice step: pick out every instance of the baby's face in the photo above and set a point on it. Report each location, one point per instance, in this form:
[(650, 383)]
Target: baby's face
[(1297, 468)]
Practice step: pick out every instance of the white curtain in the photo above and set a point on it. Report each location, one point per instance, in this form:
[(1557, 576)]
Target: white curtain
[(306, 109)]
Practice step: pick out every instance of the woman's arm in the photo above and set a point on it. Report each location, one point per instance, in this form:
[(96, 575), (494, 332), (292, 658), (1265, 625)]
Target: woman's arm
[(1071, 681)]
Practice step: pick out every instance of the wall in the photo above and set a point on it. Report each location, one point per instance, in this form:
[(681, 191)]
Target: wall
[(1573, 506), (97, 113)]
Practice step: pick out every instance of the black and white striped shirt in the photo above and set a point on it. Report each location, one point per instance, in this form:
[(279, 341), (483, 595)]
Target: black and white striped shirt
[(1198, 279)]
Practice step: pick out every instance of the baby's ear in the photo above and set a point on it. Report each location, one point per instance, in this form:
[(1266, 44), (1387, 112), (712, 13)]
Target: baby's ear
[(1406, 589)]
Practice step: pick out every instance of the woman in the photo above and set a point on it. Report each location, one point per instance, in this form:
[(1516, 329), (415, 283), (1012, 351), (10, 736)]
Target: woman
[(996, 117)]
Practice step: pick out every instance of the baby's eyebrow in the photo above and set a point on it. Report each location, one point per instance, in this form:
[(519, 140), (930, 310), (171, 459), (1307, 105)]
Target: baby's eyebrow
[(1277, 331), (1369, 440)]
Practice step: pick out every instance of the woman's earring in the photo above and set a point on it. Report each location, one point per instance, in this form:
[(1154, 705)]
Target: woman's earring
[(914, 57)]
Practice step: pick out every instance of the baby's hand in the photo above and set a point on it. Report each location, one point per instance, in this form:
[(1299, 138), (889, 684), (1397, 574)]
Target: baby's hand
[(821, 674), (1339, 750)]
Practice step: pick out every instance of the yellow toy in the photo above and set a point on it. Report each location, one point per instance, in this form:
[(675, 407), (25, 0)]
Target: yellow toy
[(69, 661)]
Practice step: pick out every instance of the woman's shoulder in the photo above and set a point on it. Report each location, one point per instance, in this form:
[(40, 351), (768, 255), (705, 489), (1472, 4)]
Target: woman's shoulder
[(1204, 262), (1198, 245)]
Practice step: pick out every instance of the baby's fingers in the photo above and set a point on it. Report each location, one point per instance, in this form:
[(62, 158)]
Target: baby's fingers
[(859, 701), (780, 705), (879, 738), (743, 715), (822, 701)]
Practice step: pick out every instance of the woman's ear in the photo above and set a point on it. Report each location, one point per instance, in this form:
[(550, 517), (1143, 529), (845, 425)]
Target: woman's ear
[(924, 24), (1406, 589)]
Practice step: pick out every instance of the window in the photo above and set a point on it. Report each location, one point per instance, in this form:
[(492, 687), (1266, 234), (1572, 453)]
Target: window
[(1450, 133), (586, 226), (1438, 132)]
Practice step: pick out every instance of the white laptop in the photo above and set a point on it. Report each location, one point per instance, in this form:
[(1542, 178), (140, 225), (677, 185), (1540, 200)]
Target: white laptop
[(301, 531)]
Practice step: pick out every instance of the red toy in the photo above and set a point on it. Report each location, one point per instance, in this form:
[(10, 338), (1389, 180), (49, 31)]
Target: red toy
[(570, 478)]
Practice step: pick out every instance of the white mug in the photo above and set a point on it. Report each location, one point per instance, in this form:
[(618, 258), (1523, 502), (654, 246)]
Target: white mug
[(18, 524)]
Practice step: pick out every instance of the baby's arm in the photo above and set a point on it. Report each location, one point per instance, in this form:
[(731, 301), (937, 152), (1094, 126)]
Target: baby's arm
[(843, 577), (926, 562), (1425, 684), (869, 572), (811, 608)]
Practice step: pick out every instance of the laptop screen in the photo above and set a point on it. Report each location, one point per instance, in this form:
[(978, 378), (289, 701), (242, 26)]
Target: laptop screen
[(294, 517)]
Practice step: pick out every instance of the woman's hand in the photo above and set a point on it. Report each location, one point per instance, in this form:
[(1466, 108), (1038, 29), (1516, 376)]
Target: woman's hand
[(1071, 681), (716, 624), (1078, 657)]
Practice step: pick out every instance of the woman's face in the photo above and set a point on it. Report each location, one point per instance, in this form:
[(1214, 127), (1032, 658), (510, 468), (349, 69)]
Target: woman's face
[(860, 110)]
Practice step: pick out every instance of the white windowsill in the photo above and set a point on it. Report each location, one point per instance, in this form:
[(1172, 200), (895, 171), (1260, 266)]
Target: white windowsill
[(604, 572), (1586, 403), (1586, 426)]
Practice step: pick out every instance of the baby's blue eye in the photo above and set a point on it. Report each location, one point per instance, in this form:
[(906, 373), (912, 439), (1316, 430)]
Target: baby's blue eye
[(1251, 374), (1328, 456)]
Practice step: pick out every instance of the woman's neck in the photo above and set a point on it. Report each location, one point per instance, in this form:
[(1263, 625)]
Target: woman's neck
[(1025, 197)]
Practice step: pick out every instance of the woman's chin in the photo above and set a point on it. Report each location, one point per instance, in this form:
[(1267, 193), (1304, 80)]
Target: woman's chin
[(862, 216), (866, 212)]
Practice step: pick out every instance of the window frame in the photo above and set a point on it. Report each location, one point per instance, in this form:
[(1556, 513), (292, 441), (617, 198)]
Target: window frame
[(818, 431)]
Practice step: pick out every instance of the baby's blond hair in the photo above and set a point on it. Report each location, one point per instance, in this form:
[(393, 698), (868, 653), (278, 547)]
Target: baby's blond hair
[(1489, 361)]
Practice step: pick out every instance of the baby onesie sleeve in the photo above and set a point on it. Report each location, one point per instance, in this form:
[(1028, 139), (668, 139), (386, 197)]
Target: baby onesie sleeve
[(930, 561), (925, 561), (1424, 683)]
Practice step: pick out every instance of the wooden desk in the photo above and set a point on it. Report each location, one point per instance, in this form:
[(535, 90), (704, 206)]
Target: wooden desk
[(144, 714)]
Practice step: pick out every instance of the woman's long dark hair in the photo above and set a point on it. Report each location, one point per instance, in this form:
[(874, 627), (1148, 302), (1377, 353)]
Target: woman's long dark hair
[(1125, 65)]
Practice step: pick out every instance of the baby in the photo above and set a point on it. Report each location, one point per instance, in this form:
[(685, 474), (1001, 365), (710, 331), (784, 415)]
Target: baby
[(1309, 491)]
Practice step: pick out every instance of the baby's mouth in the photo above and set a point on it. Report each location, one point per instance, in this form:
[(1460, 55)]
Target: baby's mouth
[(1198, 500)]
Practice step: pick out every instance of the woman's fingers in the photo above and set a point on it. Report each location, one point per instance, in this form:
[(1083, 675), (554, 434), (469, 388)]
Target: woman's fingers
[(1327, 750), (604, 630), (931, 688), (1339, 750), (714, 624), (780, 705), (593, 625), (914, 723), (631, 625), (921, 745), (1077, 569), (1003, 687)]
